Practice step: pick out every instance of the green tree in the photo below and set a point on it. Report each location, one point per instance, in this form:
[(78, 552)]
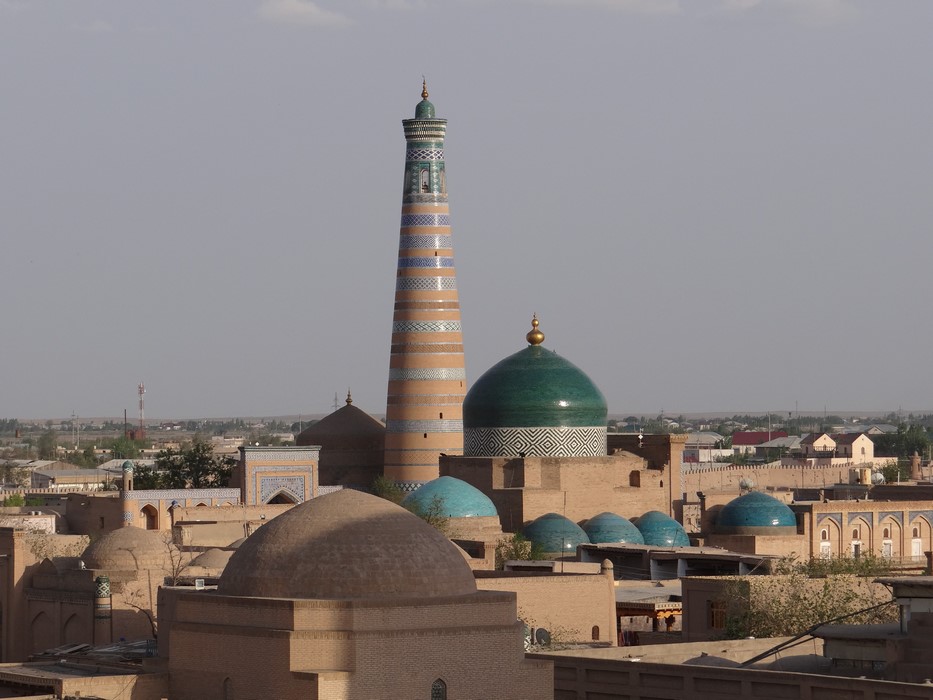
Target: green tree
[(14, 500), (193, 466), (124, 448), (12, 474), (47, 444), (516, 547), (386, 488)]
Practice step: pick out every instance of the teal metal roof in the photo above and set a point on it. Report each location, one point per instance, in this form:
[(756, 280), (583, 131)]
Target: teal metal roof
[(661, 530), (458, 498), (609, 527), (555, 533), (756, 509)]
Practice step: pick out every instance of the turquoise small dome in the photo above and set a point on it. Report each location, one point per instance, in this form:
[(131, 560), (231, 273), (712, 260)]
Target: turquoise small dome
[(660, 530), (609, 527), (755, 510), (535, 387), (458, 498), (553, 532), (424, 110), (127, 466)]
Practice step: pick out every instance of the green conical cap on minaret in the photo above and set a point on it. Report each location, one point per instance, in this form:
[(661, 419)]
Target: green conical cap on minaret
[(424, 109)]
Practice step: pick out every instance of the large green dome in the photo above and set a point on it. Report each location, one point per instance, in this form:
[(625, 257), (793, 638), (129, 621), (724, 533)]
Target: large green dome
[(537, 403)]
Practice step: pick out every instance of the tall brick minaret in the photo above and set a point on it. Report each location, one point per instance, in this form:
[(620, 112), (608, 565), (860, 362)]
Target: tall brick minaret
[(427, 381)]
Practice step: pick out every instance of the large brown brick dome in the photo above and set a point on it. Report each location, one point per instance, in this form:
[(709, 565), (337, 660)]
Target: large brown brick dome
[(347, 545)]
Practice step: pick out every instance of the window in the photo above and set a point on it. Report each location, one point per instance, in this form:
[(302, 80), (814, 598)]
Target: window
[(595, 633), (438, 690), (886, 533), (824, 535), (425, 182)]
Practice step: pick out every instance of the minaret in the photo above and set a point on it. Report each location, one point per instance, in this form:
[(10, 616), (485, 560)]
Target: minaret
[(427, 380)]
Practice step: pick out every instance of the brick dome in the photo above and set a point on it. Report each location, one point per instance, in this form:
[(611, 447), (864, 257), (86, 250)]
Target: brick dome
[(347, 545), (129, 549)]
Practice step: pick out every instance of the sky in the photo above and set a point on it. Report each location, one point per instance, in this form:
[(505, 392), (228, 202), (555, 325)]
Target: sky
[(712, 205)]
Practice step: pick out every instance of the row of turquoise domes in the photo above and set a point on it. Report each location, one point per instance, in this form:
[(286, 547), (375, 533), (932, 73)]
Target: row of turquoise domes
[(458, 499), (553, 532)]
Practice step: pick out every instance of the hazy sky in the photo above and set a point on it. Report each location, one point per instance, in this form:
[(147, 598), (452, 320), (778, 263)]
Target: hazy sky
[(712, 205)]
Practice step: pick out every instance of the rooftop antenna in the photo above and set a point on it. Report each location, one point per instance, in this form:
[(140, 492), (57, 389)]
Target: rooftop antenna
[(75, 435)]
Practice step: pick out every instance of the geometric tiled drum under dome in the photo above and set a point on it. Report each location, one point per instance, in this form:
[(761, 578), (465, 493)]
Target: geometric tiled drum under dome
[(347, 545), (534, 403)]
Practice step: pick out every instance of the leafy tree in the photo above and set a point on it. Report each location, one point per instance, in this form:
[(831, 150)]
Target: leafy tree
[(907, 440), (787, 605), (47, 444), (14, 500), (124, 448), (10, 473), (386, 488), (193, 466), (433, 513), (516, 547)]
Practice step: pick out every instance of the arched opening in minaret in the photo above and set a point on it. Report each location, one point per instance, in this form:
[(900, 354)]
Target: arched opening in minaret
[(425, 180)]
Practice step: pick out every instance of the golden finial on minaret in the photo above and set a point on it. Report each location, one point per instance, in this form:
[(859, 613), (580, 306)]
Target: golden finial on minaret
[(424, 88), (534, 337), (349, 399)]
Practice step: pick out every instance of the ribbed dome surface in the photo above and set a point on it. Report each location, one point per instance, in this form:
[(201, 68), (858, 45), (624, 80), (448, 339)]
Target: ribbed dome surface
[(347, 545), (661, 530), (555, 533), (534, 387), (755, 509), (458, 499), (609, 527), (129, 549)]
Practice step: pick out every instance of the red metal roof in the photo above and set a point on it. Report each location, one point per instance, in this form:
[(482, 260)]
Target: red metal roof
[(752, 437)]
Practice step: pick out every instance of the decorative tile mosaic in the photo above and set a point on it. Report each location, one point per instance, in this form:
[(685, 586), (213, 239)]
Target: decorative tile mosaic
[(409, 220), (896, 515), (295, 454), (429, 198), (537, 442), (858, 516), (409, 486), (432, 242), (404, 374), (426, 327), (102, 587), (834, 517), (441, 400), (424, 426), (417, 284), (427, 261), (424, 154), (181, 494), (269, 486), (925, 514), (127, 516)]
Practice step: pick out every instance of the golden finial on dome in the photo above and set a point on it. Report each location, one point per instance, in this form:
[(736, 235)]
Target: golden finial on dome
[(349, 399), (424, 88), (534, 337)]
